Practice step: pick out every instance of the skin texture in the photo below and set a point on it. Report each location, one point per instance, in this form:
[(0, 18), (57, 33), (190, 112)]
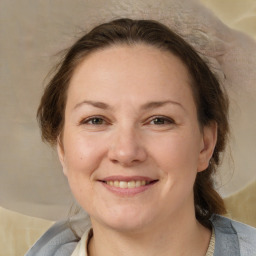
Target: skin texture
[(133, 137)]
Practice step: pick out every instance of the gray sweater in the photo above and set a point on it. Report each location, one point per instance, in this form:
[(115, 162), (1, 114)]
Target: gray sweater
[(231, 239)]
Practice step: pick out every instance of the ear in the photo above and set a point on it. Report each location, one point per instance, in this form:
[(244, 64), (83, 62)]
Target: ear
[(61, 154), (208, 144)]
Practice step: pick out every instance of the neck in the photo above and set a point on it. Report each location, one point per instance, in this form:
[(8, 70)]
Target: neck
[(180, 236)]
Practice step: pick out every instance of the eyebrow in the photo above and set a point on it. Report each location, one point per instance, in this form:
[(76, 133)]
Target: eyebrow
[(95, 104), (158, 104), (146, 106)]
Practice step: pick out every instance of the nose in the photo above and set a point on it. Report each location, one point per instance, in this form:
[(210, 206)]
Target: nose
[(126, 147)]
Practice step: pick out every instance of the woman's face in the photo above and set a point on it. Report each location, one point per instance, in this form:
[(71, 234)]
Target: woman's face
[(131, 145)]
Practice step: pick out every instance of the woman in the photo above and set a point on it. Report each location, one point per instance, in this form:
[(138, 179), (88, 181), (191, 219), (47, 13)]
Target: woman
[(139, 122)]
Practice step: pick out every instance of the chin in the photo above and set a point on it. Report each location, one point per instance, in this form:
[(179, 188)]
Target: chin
[(125, 220), (127, 226)]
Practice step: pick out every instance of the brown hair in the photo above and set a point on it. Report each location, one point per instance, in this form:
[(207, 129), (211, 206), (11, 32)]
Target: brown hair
[(210, 99)]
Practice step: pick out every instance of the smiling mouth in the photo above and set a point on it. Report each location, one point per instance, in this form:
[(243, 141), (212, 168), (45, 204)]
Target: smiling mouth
[(129, 184)]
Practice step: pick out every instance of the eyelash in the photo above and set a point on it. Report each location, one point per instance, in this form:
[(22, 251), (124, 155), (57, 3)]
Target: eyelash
[(166, 120), (89, 121)]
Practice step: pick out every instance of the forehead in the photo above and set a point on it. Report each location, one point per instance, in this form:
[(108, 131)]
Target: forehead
[(130, 70)]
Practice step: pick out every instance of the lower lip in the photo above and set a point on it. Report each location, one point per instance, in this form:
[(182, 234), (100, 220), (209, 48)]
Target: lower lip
[(128, 191)]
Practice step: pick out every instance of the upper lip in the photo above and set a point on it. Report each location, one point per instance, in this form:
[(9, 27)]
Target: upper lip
[(127, 178)]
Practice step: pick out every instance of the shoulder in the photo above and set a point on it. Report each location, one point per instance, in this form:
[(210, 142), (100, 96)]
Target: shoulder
[(233, 237), (59, 240)]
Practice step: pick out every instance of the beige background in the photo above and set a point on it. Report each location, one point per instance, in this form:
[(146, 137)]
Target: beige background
[(28, 44)]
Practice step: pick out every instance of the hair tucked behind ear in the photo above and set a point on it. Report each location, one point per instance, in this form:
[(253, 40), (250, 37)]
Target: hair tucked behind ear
[(210, 99)]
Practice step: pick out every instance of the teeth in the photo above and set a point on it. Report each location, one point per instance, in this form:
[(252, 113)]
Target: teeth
[(138, 183), (129, 184), (123, 184)]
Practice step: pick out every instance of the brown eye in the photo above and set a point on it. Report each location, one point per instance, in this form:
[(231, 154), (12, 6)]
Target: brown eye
[(161, 121), (93, 121), (96, 121)]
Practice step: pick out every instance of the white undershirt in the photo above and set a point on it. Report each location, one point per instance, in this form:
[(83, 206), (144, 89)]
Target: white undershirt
[(81, 248)]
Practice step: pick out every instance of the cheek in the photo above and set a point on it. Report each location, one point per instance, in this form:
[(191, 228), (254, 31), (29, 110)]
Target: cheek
[(82, 158), (176, 157), (83, 155), (177, 153), (80, 152)]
